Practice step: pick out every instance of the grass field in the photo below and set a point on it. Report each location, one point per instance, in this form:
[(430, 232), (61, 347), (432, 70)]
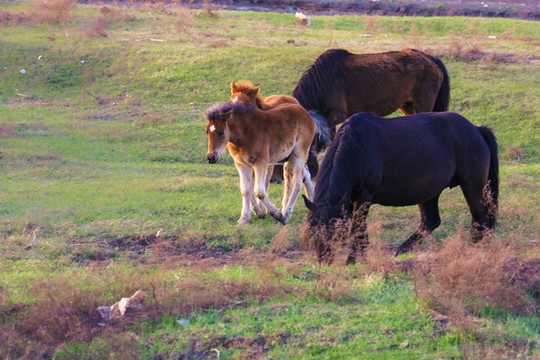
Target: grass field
[(105, 190)]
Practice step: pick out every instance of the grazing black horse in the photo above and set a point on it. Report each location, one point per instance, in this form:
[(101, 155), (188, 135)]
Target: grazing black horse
[(339, 84), (399, 162)]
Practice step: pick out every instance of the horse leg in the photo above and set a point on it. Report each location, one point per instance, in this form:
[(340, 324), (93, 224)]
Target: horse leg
[(246, 188), (421, 103), (407, 109), (429, 221), (308, 183), (287, 175), (269, 175), (479, 212), (277, 174), (296, 166), (358, 232), (256, 204), (312, 163), (261, 193)]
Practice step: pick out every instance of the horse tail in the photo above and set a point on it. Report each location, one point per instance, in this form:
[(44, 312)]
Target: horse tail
[(318, 81), (322, 132), (443, 97), (493, 175), (320, 142)]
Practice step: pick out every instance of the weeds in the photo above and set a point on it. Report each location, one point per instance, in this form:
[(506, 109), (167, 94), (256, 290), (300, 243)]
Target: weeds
[(184, 20), (8, 18), (53, 11), (210, 8), (461, 281), (99, 26)]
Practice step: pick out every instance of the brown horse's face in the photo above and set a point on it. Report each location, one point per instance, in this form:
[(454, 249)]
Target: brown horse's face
[(243, 94), (218, 137), (242, 97)]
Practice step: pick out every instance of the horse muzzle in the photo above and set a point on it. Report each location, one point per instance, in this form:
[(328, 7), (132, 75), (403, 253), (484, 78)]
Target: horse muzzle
[(212, 158)]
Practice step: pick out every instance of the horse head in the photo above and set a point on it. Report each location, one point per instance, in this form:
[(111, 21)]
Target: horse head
[(217, 130), (323, 224), (244, 92)]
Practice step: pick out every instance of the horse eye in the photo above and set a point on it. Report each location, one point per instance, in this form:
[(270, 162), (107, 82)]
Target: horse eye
[(221, 133)]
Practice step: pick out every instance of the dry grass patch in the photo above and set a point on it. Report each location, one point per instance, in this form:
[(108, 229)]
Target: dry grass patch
[(210, 8), (53, 11), (185, 19), (100, 25), (458, 278), (8, 18), (468, 49)]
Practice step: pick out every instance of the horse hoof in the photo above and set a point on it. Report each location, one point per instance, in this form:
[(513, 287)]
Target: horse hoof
[(260, 214), (244, 220), (279, 217), (401, 250)]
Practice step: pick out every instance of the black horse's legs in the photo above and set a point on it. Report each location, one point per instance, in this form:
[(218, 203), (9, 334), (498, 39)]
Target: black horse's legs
[(479, 213), (429, 221), (358, 233)]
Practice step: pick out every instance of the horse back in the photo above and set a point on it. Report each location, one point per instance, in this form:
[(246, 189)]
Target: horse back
[(386, 81), (284, 128), (409, 160), (275, 100)]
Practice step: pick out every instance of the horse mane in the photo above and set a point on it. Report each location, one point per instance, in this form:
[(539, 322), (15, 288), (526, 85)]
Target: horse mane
[(318, 80), (245, 86), (339, 169), (221, 110)]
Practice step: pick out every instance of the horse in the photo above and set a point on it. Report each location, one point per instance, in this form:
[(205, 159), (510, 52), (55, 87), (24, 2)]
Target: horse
[(256, 139), (244, 92), (402, 161), (339, 84)]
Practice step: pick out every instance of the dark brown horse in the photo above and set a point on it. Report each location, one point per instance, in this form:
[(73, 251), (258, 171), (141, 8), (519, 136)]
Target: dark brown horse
[(399, 162), (340, 84)]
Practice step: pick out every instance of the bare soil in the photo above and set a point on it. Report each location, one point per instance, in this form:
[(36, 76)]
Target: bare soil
[(523, 9)]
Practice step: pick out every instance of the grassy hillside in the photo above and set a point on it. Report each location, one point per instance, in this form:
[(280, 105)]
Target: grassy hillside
[(105, 190)]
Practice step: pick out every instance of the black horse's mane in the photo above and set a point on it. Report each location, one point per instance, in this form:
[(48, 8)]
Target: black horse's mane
[(221, 111), (340, 166), (320, 78)]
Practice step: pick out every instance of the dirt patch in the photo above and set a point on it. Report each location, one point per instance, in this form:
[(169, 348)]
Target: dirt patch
[(170, 247), (527, 9)]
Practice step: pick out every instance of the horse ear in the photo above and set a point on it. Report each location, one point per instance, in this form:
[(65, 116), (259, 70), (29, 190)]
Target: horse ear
[(225, 115), (233, 87), (309, 204), (253, 92)]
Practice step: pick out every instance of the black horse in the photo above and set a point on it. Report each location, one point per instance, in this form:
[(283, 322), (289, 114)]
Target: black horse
[(399, 162), (339, 84)]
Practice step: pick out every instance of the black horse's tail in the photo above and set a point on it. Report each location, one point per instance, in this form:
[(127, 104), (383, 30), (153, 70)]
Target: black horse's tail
[(493, 175), (320, 142), (443, 97)]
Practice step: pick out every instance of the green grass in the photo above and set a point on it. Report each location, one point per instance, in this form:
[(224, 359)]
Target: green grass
[(102, 141)]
